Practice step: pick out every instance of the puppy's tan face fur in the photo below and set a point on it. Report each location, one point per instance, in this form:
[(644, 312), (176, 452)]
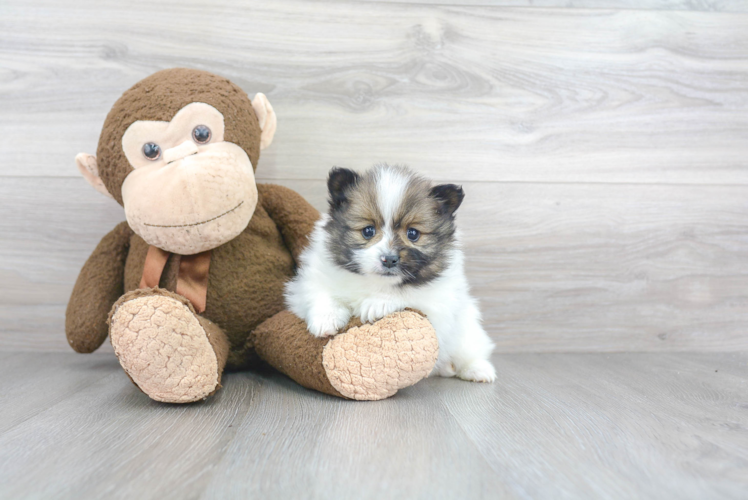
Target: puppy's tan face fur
[(391, 222), (416, 210)]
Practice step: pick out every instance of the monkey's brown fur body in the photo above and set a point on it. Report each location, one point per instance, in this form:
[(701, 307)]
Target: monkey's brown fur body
[(169, 350)]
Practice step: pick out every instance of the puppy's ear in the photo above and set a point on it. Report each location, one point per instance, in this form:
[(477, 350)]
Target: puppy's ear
[(449, 197), (338, 182)]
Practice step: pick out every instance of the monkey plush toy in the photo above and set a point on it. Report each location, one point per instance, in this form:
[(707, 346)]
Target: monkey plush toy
[(192, 283)]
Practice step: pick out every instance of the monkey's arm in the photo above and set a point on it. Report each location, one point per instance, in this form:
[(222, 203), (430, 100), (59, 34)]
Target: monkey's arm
[(293, 215), (100, 283)]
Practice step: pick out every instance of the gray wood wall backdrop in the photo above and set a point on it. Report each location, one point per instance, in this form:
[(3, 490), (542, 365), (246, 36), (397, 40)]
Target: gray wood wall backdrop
[(604, 151)]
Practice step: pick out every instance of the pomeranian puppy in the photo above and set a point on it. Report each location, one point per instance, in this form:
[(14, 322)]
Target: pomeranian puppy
[(389, 242)]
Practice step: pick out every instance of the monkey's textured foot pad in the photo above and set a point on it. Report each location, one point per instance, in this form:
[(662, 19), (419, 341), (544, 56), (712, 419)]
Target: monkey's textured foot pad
[(164, 349), (373, 361)]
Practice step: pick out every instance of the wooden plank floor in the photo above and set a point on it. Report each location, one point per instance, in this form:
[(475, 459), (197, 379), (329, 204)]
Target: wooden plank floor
[(642, 425)]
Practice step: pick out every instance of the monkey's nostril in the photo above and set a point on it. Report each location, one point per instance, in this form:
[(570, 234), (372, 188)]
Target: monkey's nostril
[(389, 261)]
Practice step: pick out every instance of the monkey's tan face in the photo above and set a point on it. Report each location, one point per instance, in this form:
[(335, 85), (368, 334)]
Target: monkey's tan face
[(190, 191)]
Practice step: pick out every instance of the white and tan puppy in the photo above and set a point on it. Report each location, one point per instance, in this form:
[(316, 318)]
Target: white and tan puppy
[(389, 242)]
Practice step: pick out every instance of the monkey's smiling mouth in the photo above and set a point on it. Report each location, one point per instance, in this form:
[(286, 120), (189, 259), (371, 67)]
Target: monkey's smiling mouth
[(197, 223)]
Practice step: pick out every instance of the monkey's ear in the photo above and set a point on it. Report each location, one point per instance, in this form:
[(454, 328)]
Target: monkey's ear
[(266, 116), (90, 170)]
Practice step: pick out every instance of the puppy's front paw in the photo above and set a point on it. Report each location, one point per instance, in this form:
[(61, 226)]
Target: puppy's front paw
[(479, 370), (375, 309), (328, 322)]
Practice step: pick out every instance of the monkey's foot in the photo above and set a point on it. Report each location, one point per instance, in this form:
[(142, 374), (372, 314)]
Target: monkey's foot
[(374, 361), (163, 347)]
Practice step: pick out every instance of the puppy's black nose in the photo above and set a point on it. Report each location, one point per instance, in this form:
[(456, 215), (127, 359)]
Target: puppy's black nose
[(390, 261)]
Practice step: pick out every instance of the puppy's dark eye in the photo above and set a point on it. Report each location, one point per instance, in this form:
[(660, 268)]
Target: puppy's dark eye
[(368, 232), (201, 134), (152, 151), (413, 234)]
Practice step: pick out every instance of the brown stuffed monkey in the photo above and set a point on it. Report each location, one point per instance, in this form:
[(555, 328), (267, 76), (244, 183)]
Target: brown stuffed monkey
[(192, 283)]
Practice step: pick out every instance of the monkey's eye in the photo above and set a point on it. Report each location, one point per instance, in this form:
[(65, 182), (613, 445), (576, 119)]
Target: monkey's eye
[(201, 134), (413, 234), (368, 232), (152, 151)]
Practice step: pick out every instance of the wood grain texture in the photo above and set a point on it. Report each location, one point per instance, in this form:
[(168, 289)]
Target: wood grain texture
[(556, 267), (643, 425), (603, 151), (466, 93), (154, 450), (611, 426), (295, 440), (690, 5), (54, 379)]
